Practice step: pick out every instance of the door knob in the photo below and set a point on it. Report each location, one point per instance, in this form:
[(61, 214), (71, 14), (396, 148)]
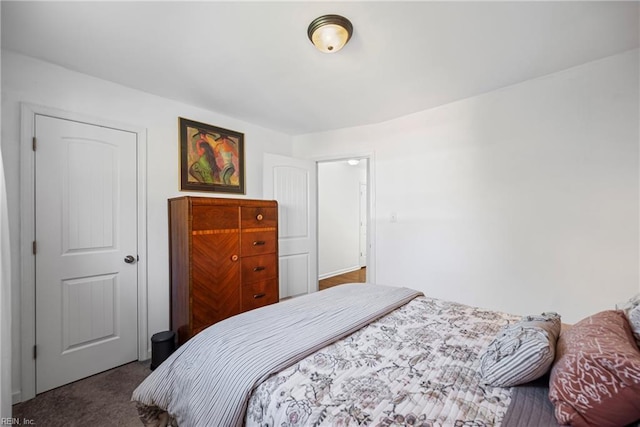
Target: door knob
[(129, 259)]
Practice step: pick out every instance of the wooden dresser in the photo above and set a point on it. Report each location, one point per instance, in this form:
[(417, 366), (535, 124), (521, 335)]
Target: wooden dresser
[(223, 260)]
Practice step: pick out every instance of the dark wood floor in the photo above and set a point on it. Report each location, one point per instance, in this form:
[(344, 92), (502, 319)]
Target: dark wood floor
[(358, 276)]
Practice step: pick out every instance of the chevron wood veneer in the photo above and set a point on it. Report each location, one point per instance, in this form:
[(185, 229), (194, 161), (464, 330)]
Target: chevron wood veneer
[(223, 260)]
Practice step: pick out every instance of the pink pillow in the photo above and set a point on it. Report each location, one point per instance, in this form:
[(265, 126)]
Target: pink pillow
[(595, 380)]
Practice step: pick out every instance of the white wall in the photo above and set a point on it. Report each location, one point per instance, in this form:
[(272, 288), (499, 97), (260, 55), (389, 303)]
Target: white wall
[(524, 199), (338, 218), (27, 80)]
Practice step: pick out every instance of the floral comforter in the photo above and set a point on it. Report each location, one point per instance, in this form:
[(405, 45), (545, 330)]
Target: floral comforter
[(416, 366), (209, 379)]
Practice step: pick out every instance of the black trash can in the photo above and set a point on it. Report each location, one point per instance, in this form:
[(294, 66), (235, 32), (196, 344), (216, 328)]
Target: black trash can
[(162, 345)]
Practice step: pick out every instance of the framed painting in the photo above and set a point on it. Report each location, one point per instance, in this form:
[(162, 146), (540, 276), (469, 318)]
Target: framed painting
[(211, 158)]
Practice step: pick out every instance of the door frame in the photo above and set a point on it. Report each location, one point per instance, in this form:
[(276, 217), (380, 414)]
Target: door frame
[(371, 226), (366, 206), (27, 236)]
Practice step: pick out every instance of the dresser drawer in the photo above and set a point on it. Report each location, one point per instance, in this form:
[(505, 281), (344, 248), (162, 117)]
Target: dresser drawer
[(259, 294), (209, 218), (259, 267), (258, 217), (258, 242)]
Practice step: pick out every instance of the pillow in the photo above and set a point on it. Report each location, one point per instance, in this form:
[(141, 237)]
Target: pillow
[(595, 380), (631, 309), (521, 352)]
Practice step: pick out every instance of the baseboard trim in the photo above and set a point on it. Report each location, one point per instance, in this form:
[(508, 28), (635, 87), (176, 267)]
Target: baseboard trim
[(339, 272)]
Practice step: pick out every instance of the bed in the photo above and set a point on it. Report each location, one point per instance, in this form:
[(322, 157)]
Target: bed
[(353, 355)]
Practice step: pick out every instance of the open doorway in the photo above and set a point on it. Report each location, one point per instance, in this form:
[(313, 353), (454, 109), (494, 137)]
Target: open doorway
[(342, 222)]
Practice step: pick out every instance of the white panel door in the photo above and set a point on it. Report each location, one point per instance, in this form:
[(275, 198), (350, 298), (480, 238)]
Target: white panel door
[(292, 182), (85, 227)]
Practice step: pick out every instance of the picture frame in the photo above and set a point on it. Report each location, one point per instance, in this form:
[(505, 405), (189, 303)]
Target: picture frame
[(211, 158)]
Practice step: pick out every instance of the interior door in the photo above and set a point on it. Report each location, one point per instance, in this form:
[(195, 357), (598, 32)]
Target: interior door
[(292, 182), (85, 228)]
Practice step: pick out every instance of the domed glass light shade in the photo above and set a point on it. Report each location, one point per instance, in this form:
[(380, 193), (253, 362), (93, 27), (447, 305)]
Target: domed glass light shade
[(329, 33)]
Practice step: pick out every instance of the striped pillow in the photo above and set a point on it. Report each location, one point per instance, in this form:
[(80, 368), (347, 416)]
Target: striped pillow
[(521, 352)]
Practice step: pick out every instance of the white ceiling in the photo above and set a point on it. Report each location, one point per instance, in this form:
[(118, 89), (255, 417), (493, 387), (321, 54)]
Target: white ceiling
[(253, 60)]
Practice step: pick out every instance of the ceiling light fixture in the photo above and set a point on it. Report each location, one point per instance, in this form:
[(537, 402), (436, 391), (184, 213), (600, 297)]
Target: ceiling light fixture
[(329, 33)]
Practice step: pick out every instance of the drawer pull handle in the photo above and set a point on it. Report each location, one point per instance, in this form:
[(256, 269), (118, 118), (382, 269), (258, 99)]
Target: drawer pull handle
[(234, 258), (259, 217), (259, 243), (259, 268), (256, 296)]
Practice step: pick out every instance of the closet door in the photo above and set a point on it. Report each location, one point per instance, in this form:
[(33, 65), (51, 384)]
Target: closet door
[(85, 268), (292, 182)]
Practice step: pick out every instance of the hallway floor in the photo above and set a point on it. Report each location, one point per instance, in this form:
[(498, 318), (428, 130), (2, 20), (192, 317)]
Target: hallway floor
[(358, 276)]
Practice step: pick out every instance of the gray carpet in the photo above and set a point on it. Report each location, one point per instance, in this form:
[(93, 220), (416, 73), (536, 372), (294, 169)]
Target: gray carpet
[(100, 400)]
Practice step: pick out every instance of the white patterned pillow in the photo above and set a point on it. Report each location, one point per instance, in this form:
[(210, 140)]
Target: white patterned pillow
[(521, 352), (631, 310)]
